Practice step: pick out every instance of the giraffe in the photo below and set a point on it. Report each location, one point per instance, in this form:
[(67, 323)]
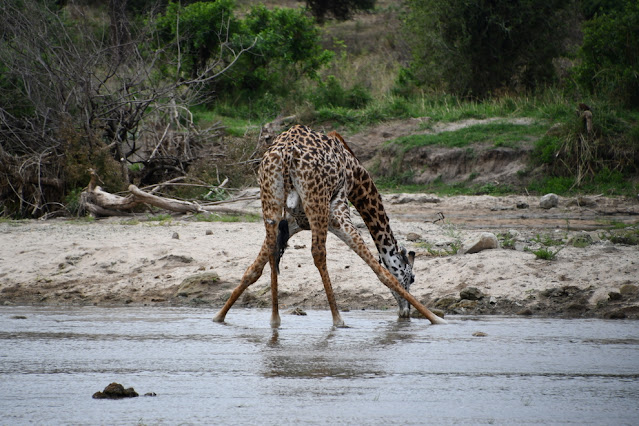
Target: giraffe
[(306, 180)]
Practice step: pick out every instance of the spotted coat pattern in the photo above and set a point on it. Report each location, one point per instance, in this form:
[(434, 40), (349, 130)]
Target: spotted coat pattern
[(308, 178)]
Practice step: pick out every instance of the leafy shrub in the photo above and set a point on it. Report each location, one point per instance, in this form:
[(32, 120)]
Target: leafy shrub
[(287, 47), (284, 45), (476, 48), (330, 93), (610, 54)]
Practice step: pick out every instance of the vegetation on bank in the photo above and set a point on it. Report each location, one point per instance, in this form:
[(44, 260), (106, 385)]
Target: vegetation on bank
[(144, 95)]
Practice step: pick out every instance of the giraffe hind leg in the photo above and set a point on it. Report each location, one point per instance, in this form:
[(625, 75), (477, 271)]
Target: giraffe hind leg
[(254, 272)]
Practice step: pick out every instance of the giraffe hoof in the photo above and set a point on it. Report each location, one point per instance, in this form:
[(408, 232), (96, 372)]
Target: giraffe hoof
[(275, 322), (218, 318), (339, 323)]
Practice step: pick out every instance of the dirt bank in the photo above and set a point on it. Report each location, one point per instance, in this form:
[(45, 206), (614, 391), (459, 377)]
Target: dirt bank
[(185, 262)]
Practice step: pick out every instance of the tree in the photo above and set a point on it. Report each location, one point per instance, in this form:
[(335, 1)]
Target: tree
[(67, 103), (474, 48)]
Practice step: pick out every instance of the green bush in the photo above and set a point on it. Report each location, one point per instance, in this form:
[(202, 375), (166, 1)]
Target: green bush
[(284, 46), (610, 55), (475, 48)]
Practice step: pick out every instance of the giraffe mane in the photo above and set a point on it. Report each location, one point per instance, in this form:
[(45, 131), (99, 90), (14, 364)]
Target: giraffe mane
[(339, 137)]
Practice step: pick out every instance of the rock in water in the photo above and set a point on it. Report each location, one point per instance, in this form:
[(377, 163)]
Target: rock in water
[(548, 201), (484, 241), (115, 391)]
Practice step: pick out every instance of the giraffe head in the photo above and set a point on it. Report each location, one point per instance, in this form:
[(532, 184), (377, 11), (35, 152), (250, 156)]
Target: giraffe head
[(400, 264)]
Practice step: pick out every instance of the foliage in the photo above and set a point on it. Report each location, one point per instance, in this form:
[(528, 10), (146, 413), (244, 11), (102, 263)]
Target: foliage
[(476, 49), (196, 33), (287, 48), (330, 93), (284, 45), (610, 54), (340, 9)]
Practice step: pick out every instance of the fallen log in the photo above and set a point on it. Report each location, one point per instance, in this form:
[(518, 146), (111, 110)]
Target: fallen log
[(98, 202)]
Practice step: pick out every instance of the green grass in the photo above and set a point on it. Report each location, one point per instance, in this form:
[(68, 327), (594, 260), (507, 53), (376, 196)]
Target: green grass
[(498, 134), (604, 182), (234, 125), (214, 217), (445, 189)]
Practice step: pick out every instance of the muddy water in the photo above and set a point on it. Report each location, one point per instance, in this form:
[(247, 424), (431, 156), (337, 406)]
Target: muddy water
[(378, 371)]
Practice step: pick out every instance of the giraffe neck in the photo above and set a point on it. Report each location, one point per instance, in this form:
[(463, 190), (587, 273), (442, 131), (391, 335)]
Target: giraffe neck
[(368, 202)]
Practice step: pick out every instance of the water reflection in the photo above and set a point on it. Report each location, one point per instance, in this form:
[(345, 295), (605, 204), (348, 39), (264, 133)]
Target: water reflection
[(316, 357)]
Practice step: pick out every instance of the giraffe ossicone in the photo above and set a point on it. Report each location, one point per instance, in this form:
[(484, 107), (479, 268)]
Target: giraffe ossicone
[(307, 180)]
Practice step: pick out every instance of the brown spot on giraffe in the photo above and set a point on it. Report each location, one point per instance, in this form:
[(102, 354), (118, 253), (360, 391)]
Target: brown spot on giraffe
[(306, 181)]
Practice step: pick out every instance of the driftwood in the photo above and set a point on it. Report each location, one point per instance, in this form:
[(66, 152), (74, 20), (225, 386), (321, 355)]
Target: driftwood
[(101, 203)]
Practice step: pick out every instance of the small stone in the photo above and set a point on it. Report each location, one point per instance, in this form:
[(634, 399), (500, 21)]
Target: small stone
[(613, 295), (176, 236), (471, 293), (484, 241), (479, 334), (525, 312), (548, 201), (583, 239), (115, 391), (208, 232), (150, 394), (298, 311), (411, 236), (617, 315), (492, 300), (628, 289), (466, 304), (445, 302), (522, 205)]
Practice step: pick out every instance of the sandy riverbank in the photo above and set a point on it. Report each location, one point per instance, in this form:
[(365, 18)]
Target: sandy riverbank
[(120, 261)]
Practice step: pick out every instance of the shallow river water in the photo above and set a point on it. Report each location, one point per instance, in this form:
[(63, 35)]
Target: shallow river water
[(378, 371)]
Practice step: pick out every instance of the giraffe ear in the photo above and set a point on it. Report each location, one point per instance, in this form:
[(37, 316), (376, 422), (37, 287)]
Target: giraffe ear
[(411, 258)]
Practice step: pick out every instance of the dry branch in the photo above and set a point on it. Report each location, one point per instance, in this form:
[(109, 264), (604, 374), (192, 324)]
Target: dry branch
[(101, 203)]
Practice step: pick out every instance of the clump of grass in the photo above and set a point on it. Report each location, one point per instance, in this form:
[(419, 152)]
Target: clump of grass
[(506, 239), (162, 219), (547, 240), (544, 253), (214, 217), (601, 158), (451, 250)]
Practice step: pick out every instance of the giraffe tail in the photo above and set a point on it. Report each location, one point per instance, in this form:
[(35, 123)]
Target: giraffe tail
[(281, 243)]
